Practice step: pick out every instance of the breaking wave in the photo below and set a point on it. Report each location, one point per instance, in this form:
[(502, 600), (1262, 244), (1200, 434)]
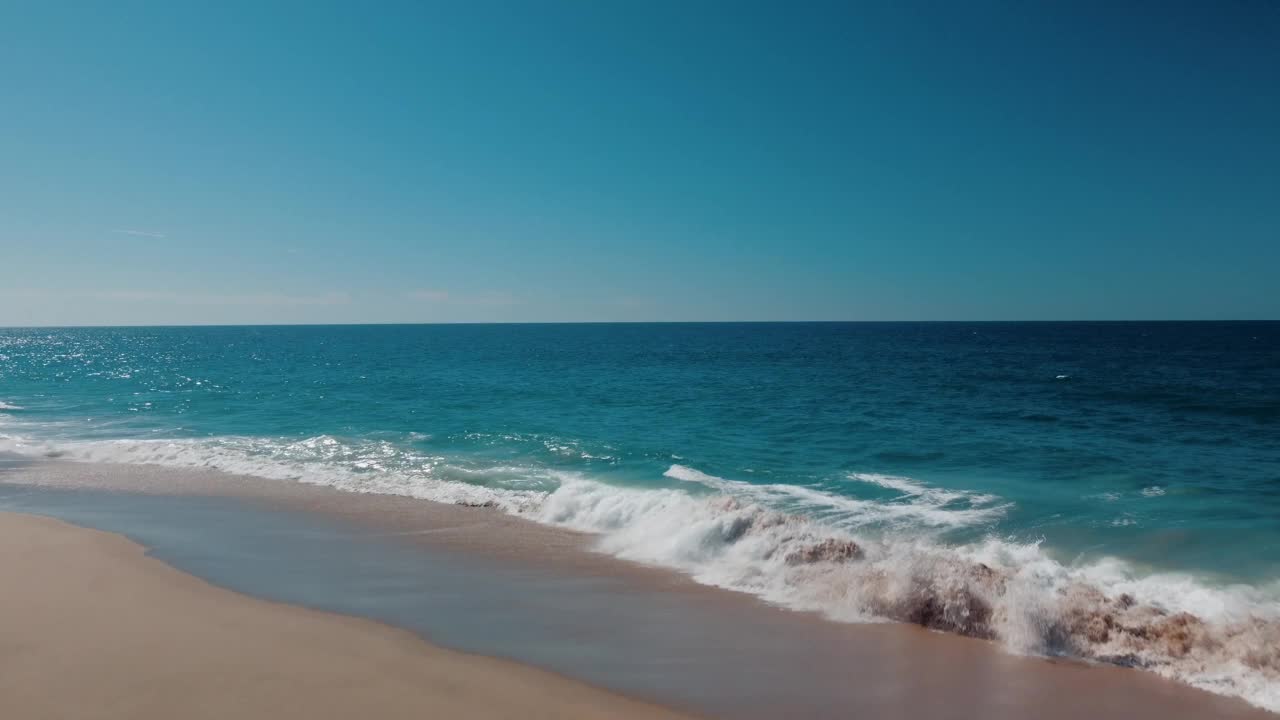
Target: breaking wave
[(805, 547), (917, 507)]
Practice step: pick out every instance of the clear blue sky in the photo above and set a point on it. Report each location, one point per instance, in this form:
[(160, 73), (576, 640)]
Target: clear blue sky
[(229, 162)]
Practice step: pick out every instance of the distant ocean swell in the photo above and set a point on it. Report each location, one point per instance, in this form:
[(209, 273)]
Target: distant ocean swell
[(801, 547)]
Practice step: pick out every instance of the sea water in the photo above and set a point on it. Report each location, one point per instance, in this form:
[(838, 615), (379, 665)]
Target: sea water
[(1109, 491)]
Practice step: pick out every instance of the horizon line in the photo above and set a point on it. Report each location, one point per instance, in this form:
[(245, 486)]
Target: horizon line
[(630, 322)]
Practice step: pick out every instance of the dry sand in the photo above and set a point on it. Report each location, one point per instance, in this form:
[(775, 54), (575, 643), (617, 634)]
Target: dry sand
[(90, 627)]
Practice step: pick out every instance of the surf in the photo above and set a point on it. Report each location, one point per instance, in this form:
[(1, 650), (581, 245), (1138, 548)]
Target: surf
[(803, 548)]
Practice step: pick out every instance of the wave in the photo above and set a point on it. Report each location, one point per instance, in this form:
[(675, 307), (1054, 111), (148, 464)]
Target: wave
[(806, 548), (7, 406), (911, 488), (918, 507), (1226, 640), (375, 466)]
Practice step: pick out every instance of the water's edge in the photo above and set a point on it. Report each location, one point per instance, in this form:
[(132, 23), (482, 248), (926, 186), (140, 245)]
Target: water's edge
[(741, 536), (558, 622)]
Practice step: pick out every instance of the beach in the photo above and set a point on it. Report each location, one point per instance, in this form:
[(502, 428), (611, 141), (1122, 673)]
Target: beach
[(550, 628), (619, 360), (95, 629)]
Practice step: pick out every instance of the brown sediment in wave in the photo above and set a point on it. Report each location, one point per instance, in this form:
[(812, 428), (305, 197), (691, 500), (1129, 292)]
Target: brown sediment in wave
[(947, 592), (1124, 631), (829, 550), (1080, 620), (942, 590)]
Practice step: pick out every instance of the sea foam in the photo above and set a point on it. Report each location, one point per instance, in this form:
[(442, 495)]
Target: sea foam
[(805, 548)]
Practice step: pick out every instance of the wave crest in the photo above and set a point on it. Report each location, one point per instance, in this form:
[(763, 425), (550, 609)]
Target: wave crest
[(918, 507)]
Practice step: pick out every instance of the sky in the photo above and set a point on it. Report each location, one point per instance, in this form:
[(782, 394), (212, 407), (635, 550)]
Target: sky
[(310, 162)]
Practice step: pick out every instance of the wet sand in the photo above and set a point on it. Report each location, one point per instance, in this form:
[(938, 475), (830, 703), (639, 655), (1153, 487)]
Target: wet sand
[(654, 634), (92, 628)]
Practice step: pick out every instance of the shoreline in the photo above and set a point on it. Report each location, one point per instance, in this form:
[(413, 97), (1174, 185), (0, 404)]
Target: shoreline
[(928, 674), (108, 632)]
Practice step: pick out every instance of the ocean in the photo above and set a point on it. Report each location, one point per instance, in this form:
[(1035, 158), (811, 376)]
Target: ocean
[(1106, 491)]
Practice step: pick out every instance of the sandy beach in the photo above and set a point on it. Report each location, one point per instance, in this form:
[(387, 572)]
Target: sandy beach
[(93, 628)]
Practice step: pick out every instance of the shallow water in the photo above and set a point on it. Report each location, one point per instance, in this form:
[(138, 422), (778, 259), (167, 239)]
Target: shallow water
[(1080, 463), (697, 650)]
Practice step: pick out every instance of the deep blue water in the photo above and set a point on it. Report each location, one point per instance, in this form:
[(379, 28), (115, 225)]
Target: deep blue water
[(1155, 442)]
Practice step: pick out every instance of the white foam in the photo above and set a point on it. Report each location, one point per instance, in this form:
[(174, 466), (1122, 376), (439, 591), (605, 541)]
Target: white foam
[(7, 406), (906, 486), (367, 467), (921, 506), (688, 474), (795, 546), (913, 488)]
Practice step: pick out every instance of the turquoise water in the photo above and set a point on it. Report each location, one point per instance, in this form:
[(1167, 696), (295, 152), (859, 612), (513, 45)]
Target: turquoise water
[(1127, 458)]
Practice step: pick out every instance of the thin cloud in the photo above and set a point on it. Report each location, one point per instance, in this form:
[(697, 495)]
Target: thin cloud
[(141, 233)]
